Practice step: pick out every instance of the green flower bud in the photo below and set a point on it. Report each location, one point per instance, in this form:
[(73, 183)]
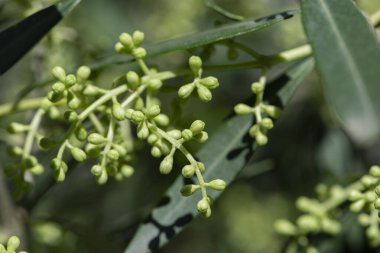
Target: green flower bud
[(166, 165), (201, 137), (187, 134), (139, 104), (355, 195), (54, 96), (127, 171), (197, 127), (56, 164), (78, 154), (153, 111), (368, 180), (96, 139), (2, 249), (139, 53), (373, 235), (103, 178), (186, 90), (254, 130), (266, 123), (142, 131), (285, 227), (377, 190), (70, 116), (91, 90), (257, 87), (210, 82), (195, 64), (261, 138), (111, 169), (175, 133), (74, 103), (330, 226), (127, 41), (154, 84), (133, 80), (311, 249), (370, 196), (204, 93), (59, 73), (377, 204), (81, 133), (113, 155), (217, 184), (29, 161), (118, 112), (37, 169), (375, 171), (13, 243), (138, 38), (59, 175), (203, 205), (46, 143), (97, 170), (364, 219), (357, 206), (16, 151), (201, 166), (70, 80), (58, 87), (308, 223), (83, 73), (188, 171), (120, 149), (272, 111), (54, 113), (162, 120), (189, 189), (15, 128), (242, 109), (152, 139), (119, 48), (137, 116), (156, 152)]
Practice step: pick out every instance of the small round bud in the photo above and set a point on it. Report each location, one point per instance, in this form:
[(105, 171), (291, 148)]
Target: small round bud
[(257, 87), (210, 82), (56, 164), (15, 128), (370, 196), (267, 123), (2, 249), (175, 133), (203, 205), (70, 116), (58, 87), (137, 116), (142, 131), (242, 109), (139, 104), (37, 169), (139, 53), (154, 84), (113, 155), (308, 223), (272, 111), (118, 112), (153, 111), (188, 171), (133, 80), (201, 137), (197, 127), (70, 80), (74, 103), (138, 38), (373, 235), (357, 206), (261, 138), (368, 180), (187, 134), (54, 96), (217, 184), (377, 204), (189, 189), (127, 41), (156, 152), (195, 64), (29, 161), (331, 227), (119, 48), (91, 90), (285, 227), (127, 171), (96, 139), (59, 175), (201, 167), (78, 154), (377, 190), (186, 90), (97, 170), (162, 120), (375, 171), (83, 73), (152, 139), (311, 249), (355, 195), (15, 151), (59, 73), (204, 93), (166, 165), (364, 219), (103, 178), (81, 133), (13, 243)]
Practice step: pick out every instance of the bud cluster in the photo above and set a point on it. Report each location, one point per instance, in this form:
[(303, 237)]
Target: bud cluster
[(12, 245)]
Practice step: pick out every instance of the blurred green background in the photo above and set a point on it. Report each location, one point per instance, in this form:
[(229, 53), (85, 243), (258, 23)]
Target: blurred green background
[(305, 148)]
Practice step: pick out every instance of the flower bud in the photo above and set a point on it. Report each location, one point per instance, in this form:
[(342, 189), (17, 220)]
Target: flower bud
[(127, 41), (2, 249), (139, 104), (119, 48), (156, 152), (152, 139), (83, 73), (91, 90), (118, 112), (58, 87), (46, 143), (377, 204), (201, 166), (103, 178), (210, 82), (187, 134), (97, 170), (204, 93), (162, 120), (257, 87), (285, 227), (13, 243), (15, 128), (154, 84), (357, 206), (59, 73), (261, 138), (272, 111), (127, 171), (197, 127), (195, 64), (133, 80), (70, 116), (37, 169), (175, 133), (139, 53), (59, 175), (70, 80), (153, 111), (203, 205), (74, 103), (370, 196), (368, 180), (188, 171), (377, 190), (96, 139), (308, 223), (138, 38), (113, 155), (81, 133), (142, 131), (186, 90), (330, 226), (242, 109), (29, 161), (16, 151), (375, 171), (364, 219), (166, 165), (137, 116), (355, 195), (78, 154), (189, 189), (267, 123), (217, 184), (54, 96), (254, 130)]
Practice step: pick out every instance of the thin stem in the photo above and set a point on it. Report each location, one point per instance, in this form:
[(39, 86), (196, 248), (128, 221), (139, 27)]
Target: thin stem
[(107, 148), (143, 66), (24, 105), (34, 125), (212, 5), (97, 124)]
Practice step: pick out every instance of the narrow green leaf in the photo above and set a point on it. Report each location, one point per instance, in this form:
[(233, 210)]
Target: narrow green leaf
[(224, 155), (202, 38), (347, 54), (18, 39)]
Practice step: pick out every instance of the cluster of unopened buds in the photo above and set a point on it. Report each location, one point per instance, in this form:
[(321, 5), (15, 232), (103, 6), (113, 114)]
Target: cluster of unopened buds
[(12, 245)]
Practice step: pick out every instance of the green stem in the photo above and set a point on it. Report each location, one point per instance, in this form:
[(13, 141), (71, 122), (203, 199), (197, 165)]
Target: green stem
[(24, 105), (35, 123), (97, 124), (107, 148)]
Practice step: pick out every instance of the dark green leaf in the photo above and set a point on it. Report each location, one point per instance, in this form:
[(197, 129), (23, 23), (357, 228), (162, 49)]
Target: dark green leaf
[(18, 39), (347, 55), (224, 155)]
